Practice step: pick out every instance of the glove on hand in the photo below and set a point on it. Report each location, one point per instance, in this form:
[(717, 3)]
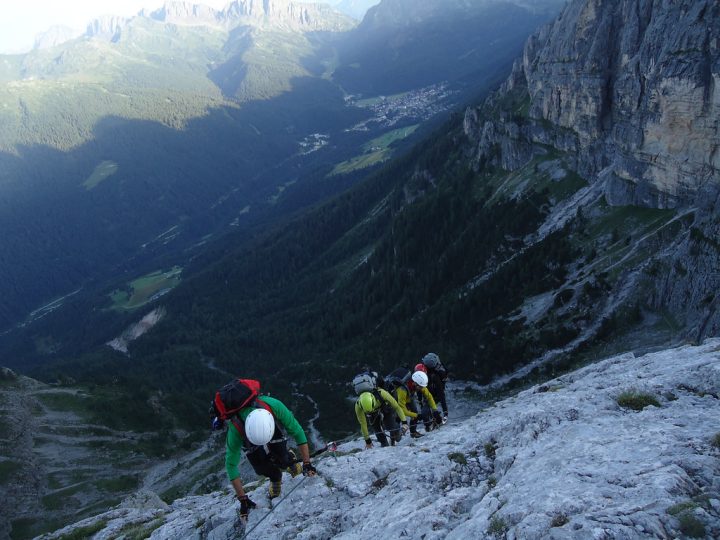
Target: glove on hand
[(246, 505), (309, 470), (438, 418), (405, 429)]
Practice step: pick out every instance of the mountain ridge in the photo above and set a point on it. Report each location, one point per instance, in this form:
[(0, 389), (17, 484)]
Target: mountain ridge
[(280, 14)]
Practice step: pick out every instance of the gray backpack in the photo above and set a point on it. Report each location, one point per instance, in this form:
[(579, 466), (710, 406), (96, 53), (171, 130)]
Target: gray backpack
[(367, 381)]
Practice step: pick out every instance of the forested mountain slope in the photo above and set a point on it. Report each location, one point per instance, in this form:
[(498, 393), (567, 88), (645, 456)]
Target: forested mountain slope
[(149, 130), (499, 243), (128, 149), (396, 47)]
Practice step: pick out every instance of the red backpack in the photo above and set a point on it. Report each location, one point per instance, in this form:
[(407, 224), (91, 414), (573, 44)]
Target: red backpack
[(234, 396), (237, 395)]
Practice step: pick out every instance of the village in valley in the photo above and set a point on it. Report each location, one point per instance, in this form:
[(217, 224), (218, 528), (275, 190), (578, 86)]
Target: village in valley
[(390, 112), (415, 105)]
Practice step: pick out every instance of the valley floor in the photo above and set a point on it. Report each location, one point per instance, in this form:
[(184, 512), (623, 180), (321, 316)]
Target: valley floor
[(570, 459)]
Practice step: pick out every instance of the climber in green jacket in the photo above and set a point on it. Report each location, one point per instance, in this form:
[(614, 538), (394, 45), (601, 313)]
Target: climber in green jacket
[(381, 411), (255, 430)]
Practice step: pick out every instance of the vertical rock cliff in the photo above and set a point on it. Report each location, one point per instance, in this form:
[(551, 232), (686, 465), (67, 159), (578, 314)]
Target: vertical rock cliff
[(630, 86), (627, 91)]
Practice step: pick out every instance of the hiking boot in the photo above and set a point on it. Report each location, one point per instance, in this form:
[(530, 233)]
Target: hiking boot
[(295, 467), (275, 488), (416, 435)]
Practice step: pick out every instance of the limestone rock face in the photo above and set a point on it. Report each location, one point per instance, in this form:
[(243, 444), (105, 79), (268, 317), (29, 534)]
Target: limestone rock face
[(686, 277), (288, 14), (276, 14), (631, 87), (564, 460), (144, 500), (187, 13), (108, 28), (627, 91)]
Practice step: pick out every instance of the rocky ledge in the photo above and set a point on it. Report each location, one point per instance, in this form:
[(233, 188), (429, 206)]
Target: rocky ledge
[(625, 448)]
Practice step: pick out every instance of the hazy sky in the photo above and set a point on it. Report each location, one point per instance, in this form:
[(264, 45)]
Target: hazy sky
[(22, 20)]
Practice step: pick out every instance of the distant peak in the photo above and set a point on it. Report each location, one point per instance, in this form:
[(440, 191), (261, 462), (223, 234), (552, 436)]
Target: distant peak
[(107, 27), (185, 12), (283, 14), (53, 36), (289, 14)]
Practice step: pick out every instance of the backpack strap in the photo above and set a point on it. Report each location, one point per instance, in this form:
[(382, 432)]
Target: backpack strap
[(240, 424), (260, 404)]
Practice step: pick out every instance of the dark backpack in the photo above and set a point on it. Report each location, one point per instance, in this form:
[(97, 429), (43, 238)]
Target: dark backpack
[(397, 378), (367, 381), (234, 396), (237, 395)]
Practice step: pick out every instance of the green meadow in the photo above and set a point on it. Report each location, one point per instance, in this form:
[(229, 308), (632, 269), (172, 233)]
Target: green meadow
[(374, 151), (142, 290), (103, 171)]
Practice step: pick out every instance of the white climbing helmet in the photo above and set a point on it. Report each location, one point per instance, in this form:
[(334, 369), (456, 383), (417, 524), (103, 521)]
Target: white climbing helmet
[(259, 427), (420, 378)]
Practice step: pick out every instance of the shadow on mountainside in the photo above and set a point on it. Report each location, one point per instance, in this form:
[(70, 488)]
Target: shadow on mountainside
[(168, 189)]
